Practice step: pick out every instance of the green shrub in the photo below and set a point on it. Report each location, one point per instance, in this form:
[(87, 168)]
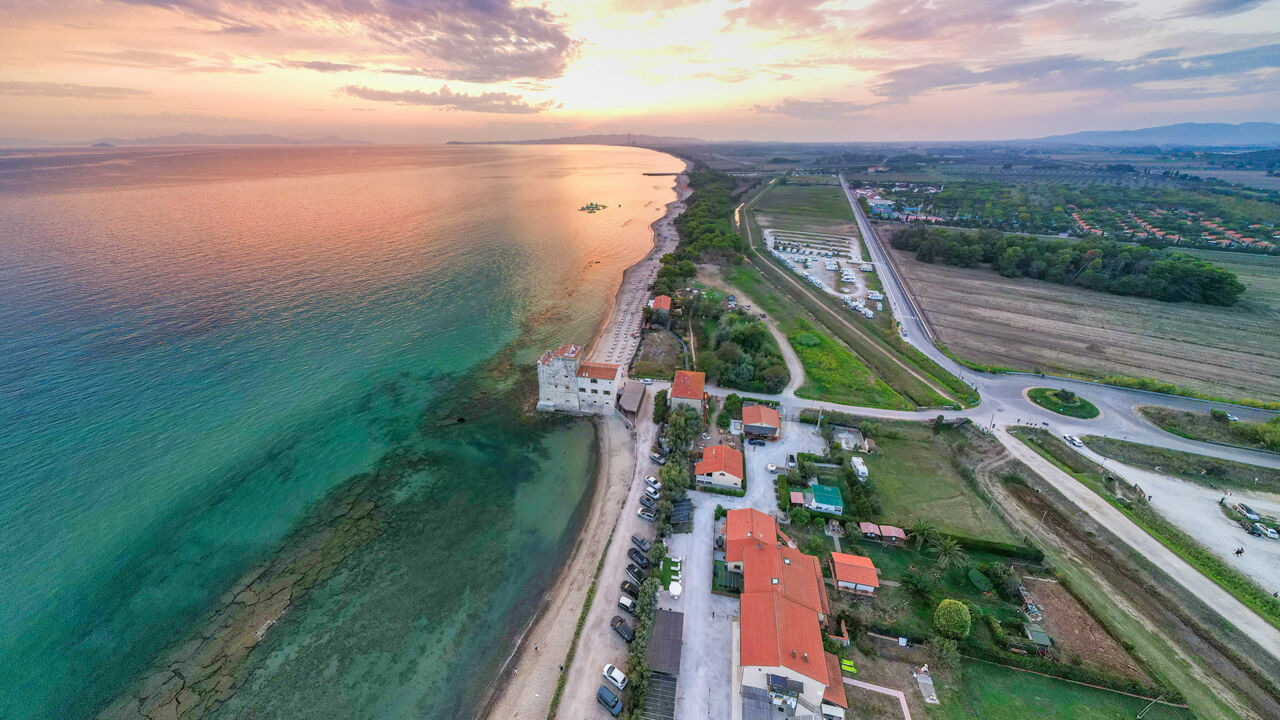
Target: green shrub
[(952, 619)]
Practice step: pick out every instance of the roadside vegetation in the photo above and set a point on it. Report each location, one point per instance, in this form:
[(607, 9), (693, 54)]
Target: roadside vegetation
[(1216, 426), (736, 350), (1132, 503), (705, 229), (1103, 265), (1063, 402), (1199, 469)]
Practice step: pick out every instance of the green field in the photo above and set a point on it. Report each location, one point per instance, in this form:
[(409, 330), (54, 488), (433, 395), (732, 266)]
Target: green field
[(824, 201), (991, 692), (1199, 469), (832, 371), (1076, 407), (915, 477), (1203, 426)]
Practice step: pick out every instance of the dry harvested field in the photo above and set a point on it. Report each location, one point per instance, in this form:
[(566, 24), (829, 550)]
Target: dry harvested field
[(1076, 632), (1029, 324)]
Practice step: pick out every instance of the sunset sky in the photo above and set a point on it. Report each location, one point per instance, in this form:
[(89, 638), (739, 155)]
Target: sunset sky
[(434, 70)]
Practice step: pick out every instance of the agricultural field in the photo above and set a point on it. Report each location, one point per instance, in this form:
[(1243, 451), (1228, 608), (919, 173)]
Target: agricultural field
[(915, 475), (1032, 325), (991, 692), (824, 202), (1260, 273), (1078, 634)]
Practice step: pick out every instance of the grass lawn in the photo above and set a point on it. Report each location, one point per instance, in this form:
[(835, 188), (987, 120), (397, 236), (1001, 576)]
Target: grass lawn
[(991, 692), (832, 371), (915, 477), (1076, 407), (668, 571), (1202, 426), (825, 201), (660, 355), (1199, 469)]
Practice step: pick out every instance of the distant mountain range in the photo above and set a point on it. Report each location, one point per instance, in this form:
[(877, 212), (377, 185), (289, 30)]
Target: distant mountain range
[(617, 139), (183, 139), (1251, 134)]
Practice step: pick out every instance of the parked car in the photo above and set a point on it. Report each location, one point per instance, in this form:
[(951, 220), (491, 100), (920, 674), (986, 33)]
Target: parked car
[(756, 441), (657, 458), (771, 468), (791, 460), (1254, 529), (1264, 531), (652, 482), (615, 676), (1073, 440), (647, 514), (1232, 418), (605, 697), (638, 557), (651, 491), (630, 588), (627, 604), (641, 543), (1247, 511), (635, 573), (647, 501), (621, 627), (647, 381)]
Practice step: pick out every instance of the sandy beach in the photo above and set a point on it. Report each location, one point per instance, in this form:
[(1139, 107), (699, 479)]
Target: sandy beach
[(524, 686)]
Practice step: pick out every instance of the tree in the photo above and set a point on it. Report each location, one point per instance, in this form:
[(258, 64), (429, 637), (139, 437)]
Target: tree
[(952, 619), (660, 407), (938, 424), (950, 554), (1066, 395), (947, 651), (922, 531), (1218, 414)]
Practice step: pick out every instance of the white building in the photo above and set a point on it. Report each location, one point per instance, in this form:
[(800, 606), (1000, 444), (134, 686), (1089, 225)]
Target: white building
[(567, 384)]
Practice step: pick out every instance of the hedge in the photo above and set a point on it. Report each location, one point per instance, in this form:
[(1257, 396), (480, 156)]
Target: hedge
[(1078, 673), (997, 548), (722, 491)]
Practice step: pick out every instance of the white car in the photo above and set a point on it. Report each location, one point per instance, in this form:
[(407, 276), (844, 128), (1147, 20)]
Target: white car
[(771, 468), (646, 381), (615, 676), (1232, 418), (652, 482), (1072, 439), (651, 491)]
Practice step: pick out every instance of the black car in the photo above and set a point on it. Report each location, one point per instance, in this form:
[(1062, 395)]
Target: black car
[(621, 627), (756, 441), (647, 501), (630, 588), (609, 700), (638, 557), (636, 573), (641, 543)]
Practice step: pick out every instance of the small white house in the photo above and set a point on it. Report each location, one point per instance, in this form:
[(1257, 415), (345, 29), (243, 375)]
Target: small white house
[(859, 467)]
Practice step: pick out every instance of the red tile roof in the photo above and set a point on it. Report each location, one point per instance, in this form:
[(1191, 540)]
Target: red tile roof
[(778, 632), (797, 497), (747, 527), (865, 527), (891, 531), (599, 371), (688, 385), (761, 415), (854, 569), (565, 351), (662, 302), (720, 458), (786, 571), (834, 693)]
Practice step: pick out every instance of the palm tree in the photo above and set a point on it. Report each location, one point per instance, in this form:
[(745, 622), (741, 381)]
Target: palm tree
[(950, 554), (922, 530)]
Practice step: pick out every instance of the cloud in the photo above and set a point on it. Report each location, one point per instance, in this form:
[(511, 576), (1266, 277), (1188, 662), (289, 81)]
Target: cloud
[(824, 108), (156, 60), (487, 102), (1219, 7), (1063, 73), (775, 14), (69, 90), (323, 66), (478, 41)]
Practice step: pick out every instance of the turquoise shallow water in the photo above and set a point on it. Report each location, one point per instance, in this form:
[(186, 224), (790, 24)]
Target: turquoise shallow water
[(197, 346)]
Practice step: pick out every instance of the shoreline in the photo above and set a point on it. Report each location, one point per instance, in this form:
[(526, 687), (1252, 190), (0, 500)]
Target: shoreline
[(527, 679)]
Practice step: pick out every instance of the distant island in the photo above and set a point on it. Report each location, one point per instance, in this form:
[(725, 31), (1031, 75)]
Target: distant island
[(615, 139)]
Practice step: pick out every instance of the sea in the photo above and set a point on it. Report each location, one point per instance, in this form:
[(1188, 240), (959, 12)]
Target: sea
[(201, 348)]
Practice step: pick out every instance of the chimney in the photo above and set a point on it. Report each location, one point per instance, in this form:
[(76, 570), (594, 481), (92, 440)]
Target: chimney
[(793, 653), (806, 657)]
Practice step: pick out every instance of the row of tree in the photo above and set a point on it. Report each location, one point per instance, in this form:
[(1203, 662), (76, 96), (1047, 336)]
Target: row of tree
[(1103, 265), (705, 228)]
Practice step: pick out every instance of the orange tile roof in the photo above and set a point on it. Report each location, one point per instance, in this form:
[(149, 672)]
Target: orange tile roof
[(662, 302), (566, 350), (891, 531), (854, 569), (688, 385), (747, 527), (865, 527), (720, 458), (786, 571), (598, 371), (834, 693), (778, 632), (761, 415)]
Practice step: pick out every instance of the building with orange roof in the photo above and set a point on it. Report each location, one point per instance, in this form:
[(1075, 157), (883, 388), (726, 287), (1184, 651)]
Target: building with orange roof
[(746, 527), (761, 420), (721, 466), (661, 303), (855, 573), (687, 389)]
